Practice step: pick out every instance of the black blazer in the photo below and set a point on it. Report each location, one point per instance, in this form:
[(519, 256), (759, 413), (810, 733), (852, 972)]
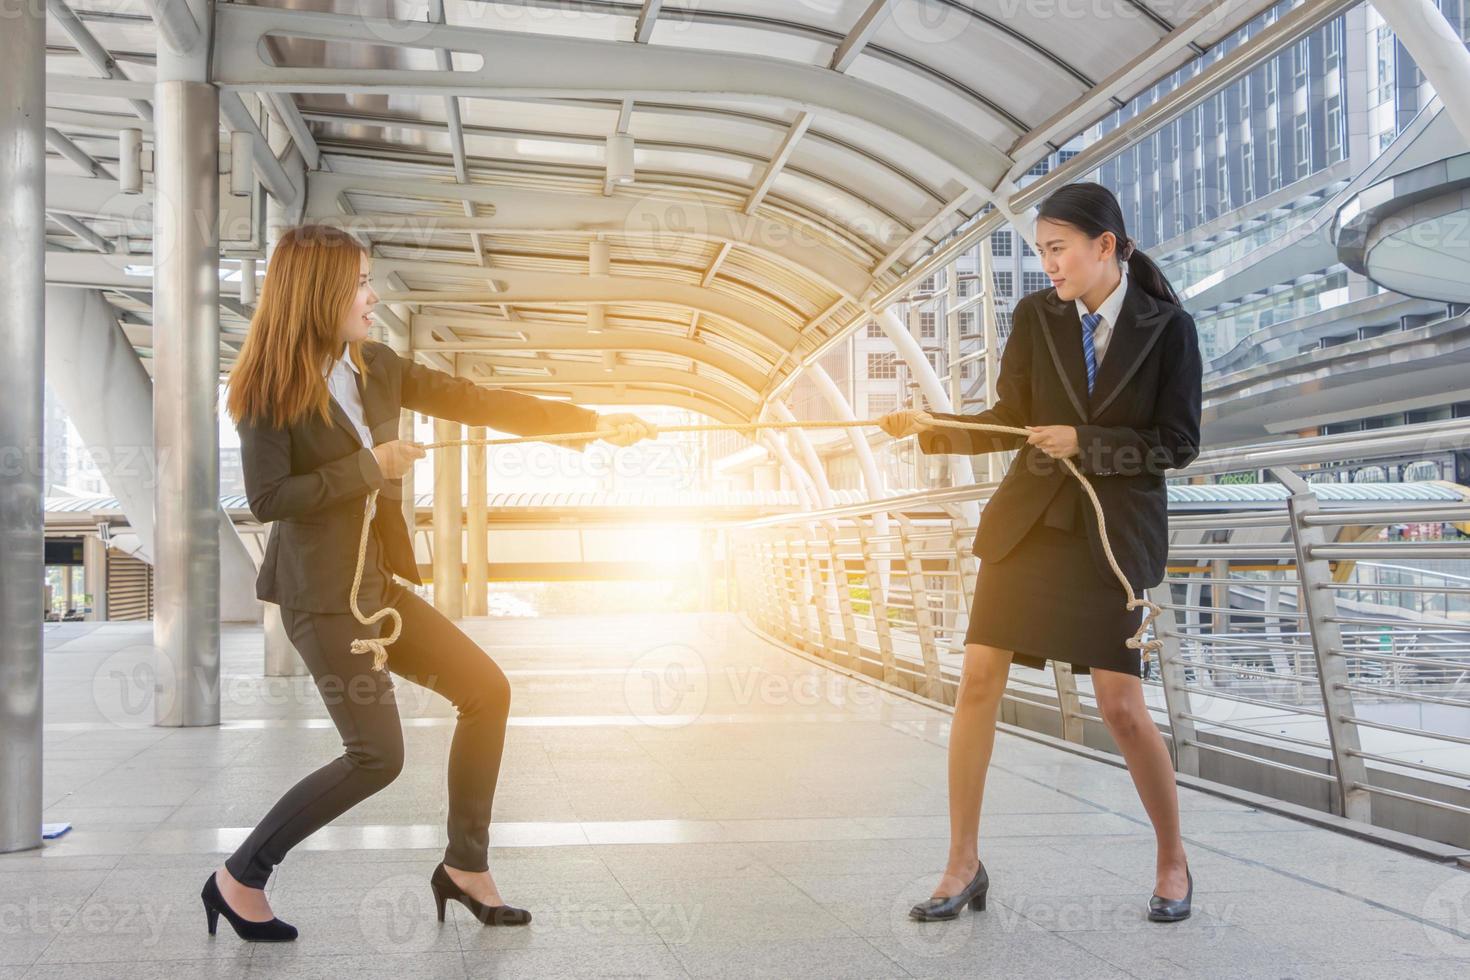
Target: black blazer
[(1142, 418), (311, 478)]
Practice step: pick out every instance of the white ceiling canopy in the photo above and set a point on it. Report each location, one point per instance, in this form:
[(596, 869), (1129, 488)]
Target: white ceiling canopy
[(794, 161)]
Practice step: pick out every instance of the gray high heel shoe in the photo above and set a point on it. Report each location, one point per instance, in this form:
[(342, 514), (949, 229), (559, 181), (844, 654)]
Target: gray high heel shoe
[(939, 909), (1162, 909)]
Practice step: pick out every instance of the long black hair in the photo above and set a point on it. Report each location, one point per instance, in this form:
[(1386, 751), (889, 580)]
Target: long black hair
[(1094, 209)]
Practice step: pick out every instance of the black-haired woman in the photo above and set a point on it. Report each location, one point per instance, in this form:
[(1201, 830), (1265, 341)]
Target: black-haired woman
[(1103, 368)]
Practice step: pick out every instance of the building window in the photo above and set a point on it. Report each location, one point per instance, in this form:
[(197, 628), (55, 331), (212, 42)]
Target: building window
[(1300, 61), (1002, 324), (1382, 88), (874, 331), (1004, 284), (881, 404), (966, 287), (1026, 249), (1273, 158), (965, 370), (1000, 243), (1334, 128), (1032, 281), (927, 284), (933, 356), (967, 322), (1303, 141), (1040, 169), (1222, 177), (1064, 155), (1332, 45), (926, 325), (1247, 173), (883, 365)]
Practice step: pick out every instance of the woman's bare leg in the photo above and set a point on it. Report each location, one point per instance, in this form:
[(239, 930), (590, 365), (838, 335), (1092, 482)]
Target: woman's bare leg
[(1124, 711), (971, 739)]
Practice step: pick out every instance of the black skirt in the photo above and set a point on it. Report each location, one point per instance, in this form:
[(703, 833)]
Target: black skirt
[(1047, 600)]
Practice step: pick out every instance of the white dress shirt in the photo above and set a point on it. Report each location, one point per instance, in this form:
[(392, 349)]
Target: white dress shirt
[(1109, 310), (343, 387)]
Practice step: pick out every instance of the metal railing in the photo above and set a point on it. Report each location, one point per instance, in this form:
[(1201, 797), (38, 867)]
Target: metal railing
[(1307, 654)]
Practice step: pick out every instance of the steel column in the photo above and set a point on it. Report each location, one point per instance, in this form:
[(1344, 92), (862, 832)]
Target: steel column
[(476, 546), (22, 372), (448, 522), (186, 375), (1319, 602)]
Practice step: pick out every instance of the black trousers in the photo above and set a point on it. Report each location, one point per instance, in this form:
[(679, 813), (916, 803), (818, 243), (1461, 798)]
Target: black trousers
[(432, 652)]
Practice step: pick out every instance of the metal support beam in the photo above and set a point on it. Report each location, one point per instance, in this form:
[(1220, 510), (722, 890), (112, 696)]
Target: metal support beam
[(185, 382), (94, 52), (533, 65), (862, 32), (177, 24), (62, 144), (1319, 602), (647, 17), (22, 372), (273, 176)]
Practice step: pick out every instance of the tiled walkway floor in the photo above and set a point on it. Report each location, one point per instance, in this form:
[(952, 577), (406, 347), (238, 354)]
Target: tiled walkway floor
[(678, 798)]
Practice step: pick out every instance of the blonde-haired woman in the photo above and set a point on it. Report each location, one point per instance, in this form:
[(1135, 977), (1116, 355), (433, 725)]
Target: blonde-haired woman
[(317, 408)]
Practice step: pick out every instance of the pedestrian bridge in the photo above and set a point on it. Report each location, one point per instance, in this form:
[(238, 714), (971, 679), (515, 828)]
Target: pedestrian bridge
[(758, 786), (680, 796), (712, 208)]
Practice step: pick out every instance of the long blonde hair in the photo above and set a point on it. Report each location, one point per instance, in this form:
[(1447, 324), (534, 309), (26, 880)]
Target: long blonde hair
[(310, 284)]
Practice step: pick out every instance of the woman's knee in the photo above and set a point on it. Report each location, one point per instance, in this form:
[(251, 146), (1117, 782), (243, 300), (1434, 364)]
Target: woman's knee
[(1124, 715), (380, 758), (486, 693), (984, 674)]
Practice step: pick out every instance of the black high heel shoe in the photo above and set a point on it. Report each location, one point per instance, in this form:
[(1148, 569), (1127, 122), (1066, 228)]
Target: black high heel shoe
[(490, 915), (939, 909), (1162, 909), (274, 931)]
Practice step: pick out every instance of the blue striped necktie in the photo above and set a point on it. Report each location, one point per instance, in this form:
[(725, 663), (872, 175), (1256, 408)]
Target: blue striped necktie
[(1089, 350)]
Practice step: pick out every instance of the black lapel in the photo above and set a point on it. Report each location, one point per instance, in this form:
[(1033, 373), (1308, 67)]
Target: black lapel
[(1141, 320), (1062, 329)]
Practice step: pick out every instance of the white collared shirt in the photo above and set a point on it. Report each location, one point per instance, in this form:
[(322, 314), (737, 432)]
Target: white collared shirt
[(1109, 310), (343, 387)]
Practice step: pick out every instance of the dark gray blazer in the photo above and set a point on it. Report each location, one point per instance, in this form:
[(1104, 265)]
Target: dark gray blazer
[(311, 478), (1142, 418)]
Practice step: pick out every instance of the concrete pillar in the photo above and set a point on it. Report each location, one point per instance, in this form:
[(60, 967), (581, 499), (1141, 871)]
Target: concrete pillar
[(94, 576), (185, 378), (477, 528), (22, 377), (448, 522), (98, 377)]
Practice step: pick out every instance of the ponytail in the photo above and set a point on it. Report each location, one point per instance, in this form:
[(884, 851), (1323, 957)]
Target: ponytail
[(1150, 278), (1094, 209)]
